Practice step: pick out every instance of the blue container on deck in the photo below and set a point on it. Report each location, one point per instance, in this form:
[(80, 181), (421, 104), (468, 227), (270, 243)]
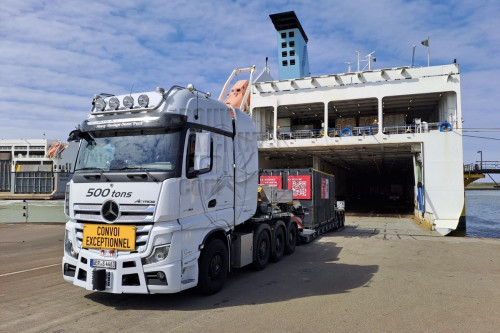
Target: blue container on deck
[(314, 189)]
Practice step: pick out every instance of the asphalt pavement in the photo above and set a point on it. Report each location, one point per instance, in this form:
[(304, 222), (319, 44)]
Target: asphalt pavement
[(378, 274)]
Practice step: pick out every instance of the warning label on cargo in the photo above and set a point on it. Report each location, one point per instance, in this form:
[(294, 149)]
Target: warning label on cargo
[(272, 181), (325, 188), (301, 186)]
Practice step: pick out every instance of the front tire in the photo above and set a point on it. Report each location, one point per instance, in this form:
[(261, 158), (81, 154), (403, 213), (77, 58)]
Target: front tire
[(213, 267)]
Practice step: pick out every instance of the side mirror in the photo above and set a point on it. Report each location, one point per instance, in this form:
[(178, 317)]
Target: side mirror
[(205, 163), (74, 135), (202, 158)]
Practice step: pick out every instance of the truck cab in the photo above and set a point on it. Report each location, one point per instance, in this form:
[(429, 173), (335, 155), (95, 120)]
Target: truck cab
[(161, 180)]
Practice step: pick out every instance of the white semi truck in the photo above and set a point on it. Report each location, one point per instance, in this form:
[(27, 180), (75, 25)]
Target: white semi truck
[(165, 196)]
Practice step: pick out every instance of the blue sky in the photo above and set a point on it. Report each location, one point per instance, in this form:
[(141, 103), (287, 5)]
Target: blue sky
[(55, 55)]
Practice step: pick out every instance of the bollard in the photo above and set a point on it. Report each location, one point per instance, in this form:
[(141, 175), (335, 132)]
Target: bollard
[(25, 208)]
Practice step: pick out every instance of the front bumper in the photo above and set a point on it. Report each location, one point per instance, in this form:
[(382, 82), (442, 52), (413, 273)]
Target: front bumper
[(129, 276)]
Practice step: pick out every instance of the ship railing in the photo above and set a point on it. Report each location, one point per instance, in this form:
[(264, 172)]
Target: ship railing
[(350, 131), (479, 166), (264, 136), (410, 128), (288, 135)]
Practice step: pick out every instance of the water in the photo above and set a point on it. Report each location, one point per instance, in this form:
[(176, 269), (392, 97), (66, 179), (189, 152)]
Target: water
[(482, 208), (38, 211), (482, 213)]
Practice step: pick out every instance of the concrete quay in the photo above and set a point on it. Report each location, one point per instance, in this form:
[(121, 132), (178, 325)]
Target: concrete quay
[(378, 274)]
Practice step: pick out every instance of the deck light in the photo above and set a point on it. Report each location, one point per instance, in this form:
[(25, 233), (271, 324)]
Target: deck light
[(114, 103), (128, 102), (143, 101)]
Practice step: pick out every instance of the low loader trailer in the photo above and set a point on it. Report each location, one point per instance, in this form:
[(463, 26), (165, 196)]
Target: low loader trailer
[(166, 197)]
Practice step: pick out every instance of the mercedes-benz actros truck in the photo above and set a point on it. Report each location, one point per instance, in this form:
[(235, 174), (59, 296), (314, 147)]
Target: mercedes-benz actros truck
[(166, 196)]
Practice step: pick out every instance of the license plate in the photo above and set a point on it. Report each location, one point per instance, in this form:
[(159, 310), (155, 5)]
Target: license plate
[(111, 264), (111, 237)]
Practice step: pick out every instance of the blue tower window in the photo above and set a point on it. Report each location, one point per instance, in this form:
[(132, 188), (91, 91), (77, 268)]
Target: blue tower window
[(292, 62), (291, 34), (292, 53), (285, 63), (283, 54), (283, 45), (291, 43)]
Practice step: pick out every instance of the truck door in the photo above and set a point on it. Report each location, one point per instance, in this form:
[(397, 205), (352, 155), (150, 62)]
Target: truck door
[(197, 196)]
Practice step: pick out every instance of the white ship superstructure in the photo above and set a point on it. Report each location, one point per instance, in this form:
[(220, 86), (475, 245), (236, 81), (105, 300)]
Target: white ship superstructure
[(392, 137), (35, 168)]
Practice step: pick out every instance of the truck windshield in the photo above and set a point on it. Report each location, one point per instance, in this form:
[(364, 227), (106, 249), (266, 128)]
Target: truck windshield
[(150, 151)]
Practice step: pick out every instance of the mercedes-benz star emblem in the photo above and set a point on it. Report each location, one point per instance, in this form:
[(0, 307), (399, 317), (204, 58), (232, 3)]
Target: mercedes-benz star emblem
[(110, 210)]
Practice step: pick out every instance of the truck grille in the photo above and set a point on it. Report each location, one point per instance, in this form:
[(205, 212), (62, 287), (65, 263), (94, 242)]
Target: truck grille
[(141, 235), (128, 213)]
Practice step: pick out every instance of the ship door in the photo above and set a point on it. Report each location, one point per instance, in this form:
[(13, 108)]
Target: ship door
[(419, 190), (5, 172)]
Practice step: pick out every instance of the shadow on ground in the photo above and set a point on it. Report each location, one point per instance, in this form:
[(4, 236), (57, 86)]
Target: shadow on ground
[(311, 271)]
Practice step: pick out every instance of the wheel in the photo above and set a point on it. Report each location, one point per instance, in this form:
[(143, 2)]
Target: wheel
[(262, 250), (213, 267), (279, 245), (291, 240)]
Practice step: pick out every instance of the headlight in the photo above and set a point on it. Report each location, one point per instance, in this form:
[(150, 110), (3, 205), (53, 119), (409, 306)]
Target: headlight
[(143, 101), (128, 102), (68, 246), (66, 200), (159, 253), (99, 104), (114, 103)]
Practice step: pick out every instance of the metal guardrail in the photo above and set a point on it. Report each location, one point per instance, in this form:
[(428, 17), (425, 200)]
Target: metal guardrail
[(350, 131), (479, 166)]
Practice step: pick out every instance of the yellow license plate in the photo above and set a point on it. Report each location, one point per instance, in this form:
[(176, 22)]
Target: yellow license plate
[(112, 237)]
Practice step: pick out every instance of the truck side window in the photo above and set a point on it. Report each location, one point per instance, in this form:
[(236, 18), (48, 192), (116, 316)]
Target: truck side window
[(199, 158)]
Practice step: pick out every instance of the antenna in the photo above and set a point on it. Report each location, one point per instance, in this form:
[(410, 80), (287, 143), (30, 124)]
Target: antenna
[(357, 52), (266, 61), (348, 66), (369, 59), (413, 56), (131, 88)]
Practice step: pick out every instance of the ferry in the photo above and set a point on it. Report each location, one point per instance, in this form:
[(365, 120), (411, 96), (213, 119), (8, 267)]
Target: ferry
[(35, 168), (392, 136)]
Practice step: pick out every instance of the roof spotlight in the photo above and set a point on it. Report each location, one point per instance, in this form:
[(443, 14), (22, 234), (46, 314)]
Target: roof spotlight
[(114, 103), (128, 102), (99, 103), (143, 101)]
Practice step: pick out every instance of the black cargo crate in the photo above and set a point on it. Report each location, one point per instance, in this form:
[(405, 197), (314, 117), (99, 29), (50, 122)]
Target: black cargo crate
[(314, 189)]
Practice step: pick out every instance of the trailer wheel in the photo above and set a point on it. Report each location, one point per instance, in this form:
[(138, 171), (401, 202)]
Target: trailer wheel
[(262, 250), (279, 245), (291, 240), (213, 267)]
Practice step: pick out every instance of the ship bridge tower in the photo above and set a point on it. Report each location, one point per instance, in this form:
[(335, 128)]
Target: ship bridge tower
[(292, 46)]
